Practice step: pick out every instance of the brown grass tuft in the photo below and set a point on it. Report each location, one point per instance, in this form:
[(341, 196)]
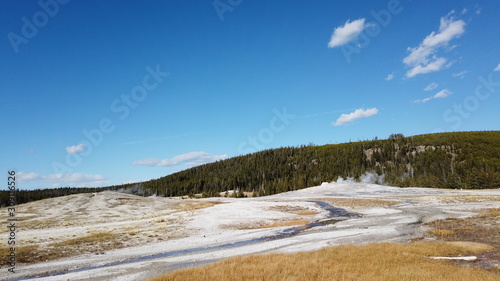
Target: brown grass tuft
[(494, 212), (292, 209), (467, 198), (307, 213), (198, 205), (274, 224), (360, 202), (285, 223), (94, 242), (441, 232)]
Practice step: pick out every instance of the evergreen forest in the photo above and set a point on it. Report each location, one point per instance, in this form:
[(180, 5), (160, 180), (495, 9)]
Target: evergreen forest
[(460, 160)]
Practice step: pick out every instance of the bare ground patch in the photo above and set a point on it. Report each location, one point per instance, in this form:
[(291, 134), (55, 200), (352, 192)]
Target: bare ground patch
[(94, 224), (483, 228)]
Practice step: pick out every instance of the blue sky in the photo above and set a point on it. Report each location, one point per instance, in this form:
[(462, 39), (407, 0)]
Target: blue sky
[(99, 93)]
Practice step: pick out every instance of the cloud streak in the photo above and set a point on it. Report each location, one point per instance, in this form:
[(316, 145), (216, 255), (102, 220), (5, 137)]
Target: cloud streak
[(461, 74), (431, 86), (74, 149), (433, 66), (439, 95), (357, 114), (190, 158), (67, 179), (423, 59), (346, 33)]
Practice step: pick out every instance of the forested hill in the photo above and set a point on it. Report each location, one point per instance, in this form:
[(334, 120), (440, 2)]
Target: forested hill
[(467, 160)]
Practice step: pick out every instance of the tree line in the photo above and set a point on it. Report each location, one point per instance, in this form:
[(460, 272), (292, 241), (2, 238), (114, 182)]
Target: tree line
[(465, 160)]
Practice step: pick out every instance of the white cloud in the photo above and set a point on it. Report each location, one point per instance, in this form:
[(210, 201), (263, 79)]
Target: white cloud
[(389, 77), (460, 74), (357, 114), (68, 179), (497, 68), (346, 33), (74, 178), (442, 94), (24, 176), (75, 149), (422, 59), (431, 86), (436, 65), (190, 158), (439, 95)]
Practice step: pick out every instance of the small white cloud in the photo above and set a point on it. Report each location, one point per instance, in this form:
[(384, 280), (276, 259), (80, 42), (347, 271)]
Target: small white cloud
[(346, 33), (442, 94), (357, 114), (431, 86), (464, 11), (497, 68), (190, 158), (422, 59), (75, 149), (389, 77), (460, 74), (436, 65), (439, 95)]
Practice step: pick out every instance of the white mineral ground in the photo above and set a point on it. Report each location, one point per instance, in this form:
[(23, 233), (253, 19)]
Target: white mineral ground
[(155, 225)]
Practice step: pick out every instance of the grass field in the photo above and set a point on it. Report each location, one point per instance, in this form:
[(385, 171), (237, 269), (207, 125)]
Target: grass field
[(381, 261)]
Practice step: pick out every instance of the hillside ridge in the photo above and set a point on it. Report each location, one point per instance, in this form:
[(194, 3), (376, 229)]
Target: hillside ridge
[(461, 160), (464, 160)]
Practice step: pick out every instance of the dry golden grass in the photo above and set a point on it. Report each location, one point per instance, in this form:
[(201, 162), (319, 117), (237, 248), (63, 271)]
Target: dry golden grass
[(441, 232), (360, 202), (467, 198), (198, 205), (285, 223), (257, 225), (381, 261), (488, 213), (94, 242), (307, 213), (298, 210), (93, 238)]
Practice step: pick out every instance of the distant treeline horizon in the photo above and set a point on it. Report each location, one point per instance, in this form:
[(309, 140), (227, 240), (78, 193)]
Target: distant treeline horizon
[(460, 160)]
